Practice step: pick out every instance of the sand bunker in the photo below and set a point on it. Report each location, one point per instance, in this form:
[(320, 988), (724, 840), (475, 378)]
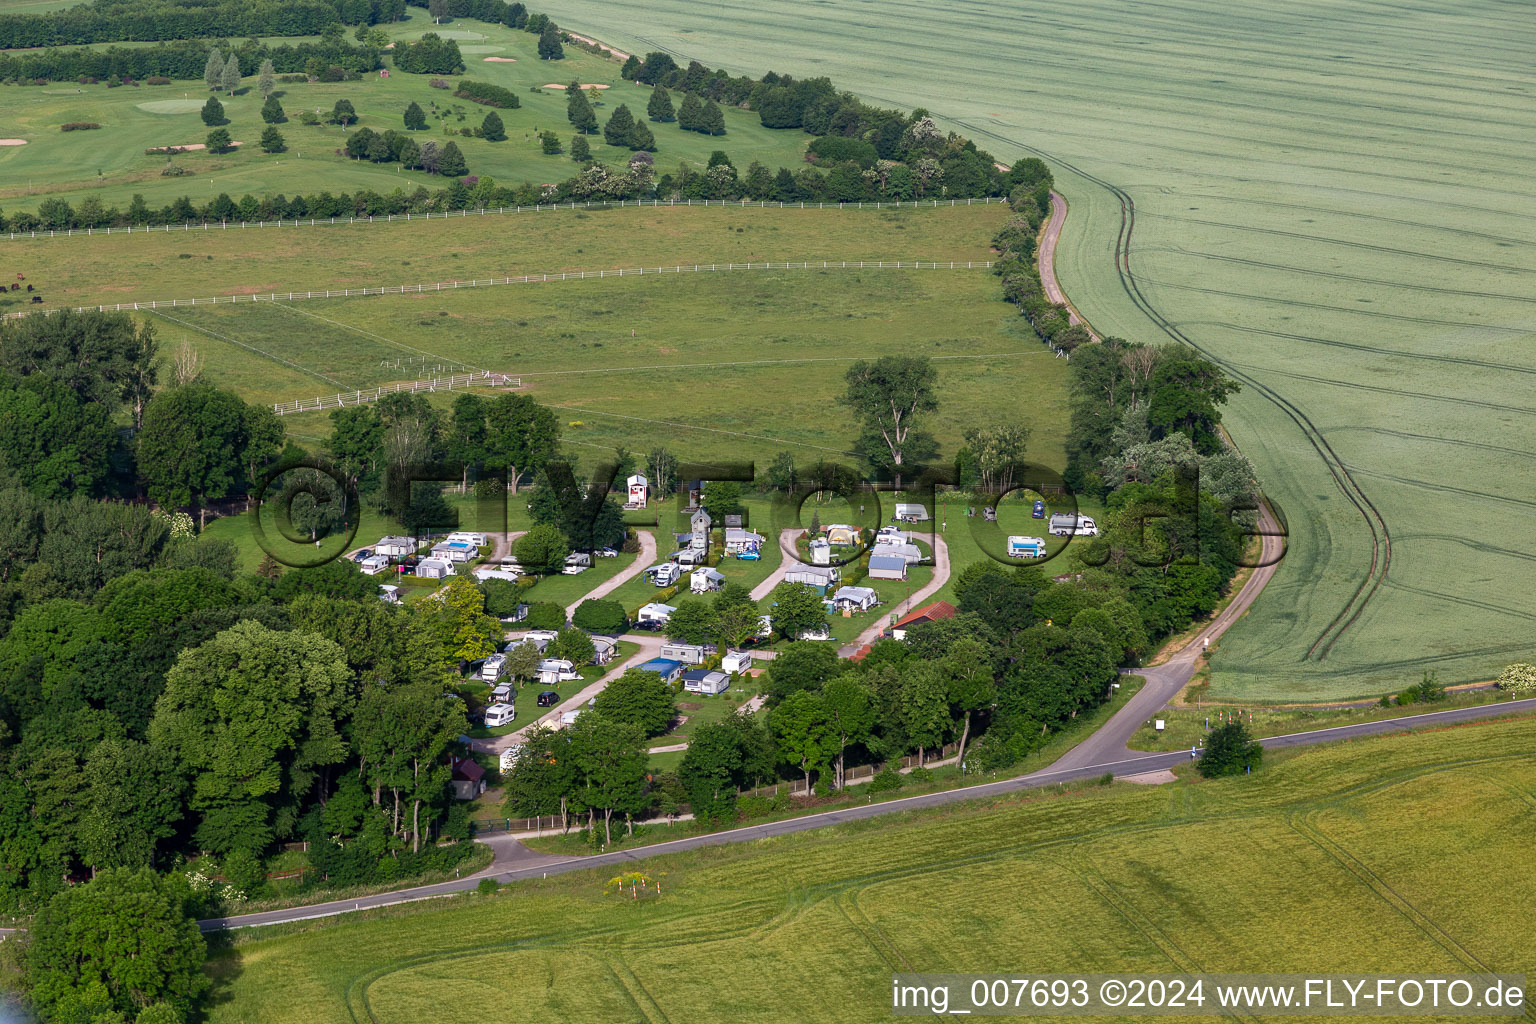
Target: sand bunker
[(584, 85), (501, 60), (13, 142)]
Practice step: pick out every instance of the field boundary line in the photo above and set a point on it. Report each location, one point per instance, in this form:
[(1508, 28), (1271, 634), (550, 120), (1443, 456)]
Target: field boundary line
[(490, 211), (483, 379), (568, 275)]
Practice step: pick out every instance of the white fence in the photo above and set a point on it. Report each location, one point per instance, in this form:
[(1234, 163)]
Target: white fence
[(227, 225), (484, 379), (570, 275)]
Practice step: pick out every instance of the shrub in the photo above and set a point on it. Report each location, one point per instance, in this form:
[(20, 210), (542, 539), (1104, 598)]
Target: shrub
[(919, 775), (487, 887), (1518, 678), (545, 615), (1428, 690), (487, 94), (834, 149), (887, 779), (438, 83), (157, 80), (1230, 750), (78, 126), (172, 171), (600, 616)]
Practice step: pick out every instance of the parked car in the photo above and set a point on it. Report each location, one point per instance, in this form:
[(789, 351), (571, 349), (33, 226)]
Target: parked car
[(1039, 510), (607, 553), (499, 714), (361, 554), (548, 699)]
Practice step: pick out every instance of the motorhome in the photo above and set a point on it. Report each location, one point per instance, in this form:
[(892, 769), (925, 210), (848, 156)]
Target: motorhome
[(1026, 547), (1064, 524)]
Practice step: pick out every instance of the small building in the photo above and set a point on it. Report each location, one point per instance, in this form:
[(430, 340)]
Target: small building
[(668, 669), (821, 551), (736, 661), (468, 779), (638, 489), (698, 530), (434, 568), (395, 547), (704, 580), (859, 599), (710, 682), (738, 540), (887, 567), (817, 576), (553, 671), (688, 654), (843, 534), (928, 613), (374, 564), (655, 612)]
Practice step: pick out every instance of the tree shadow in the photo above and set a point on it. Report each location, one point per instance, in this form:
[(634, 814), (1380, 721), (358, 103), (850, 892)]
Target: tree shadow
[(223, 967)]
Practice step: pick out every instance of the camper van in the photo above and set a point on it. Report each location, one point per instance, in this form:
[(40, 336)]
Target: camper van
[(1064, 524), (1026, 547), (667, 573), (907, 513), (493, 668)]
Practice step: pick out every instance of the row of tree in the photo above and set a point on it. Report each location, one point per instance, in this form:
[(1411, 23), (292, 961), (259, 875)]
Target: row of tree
[(184, 60), (107, 21)]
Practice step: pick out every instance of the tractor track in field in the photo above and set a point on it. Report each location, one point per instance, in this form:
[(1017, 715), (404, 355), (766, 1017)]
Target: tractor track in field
[(1381, 536)]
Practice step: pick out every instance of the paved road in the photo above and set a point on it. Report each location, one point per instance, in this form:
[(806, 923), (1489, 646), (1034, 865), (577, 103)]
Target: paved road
[(1108, 742), (788, 556), (1047, 256), (643, 561), (940, 577), (537, 864)]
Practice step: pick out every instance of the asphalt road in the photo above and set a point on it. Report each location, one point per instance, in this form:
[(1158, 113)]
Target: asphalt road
[(515, 867)]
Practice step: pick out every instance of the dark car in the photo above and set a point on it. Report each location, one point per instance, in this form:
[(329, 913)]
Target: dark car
[(548, 699), (1039, 512)]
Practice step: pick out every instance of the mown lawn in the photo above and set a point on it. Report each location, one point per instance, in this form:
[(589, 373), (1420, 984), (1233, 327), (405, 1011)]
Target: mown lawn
[(111, 162)]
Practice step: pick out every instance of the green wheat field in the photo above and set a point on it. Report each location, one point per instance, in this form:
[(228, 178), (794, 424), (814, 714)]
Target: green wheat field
[(1406, 853), (1335, 199)]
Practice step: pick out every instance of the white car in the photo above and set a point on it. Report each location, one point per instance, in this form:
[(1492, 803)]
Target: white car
[(499, 714), (607, 553)]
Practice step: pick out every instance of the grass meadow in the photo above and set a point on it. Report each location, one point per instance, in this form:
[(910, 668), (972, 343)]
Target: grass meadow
[(111, 162), (1369, 856), (160, 266), (1334, 203)]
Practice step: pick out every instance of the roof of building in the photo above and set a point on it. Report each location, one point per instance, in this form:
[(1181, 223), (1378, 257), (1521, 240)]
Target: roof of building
[(886, 562), (662, 665), (702, 674), (928, 613), (467, 769)]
